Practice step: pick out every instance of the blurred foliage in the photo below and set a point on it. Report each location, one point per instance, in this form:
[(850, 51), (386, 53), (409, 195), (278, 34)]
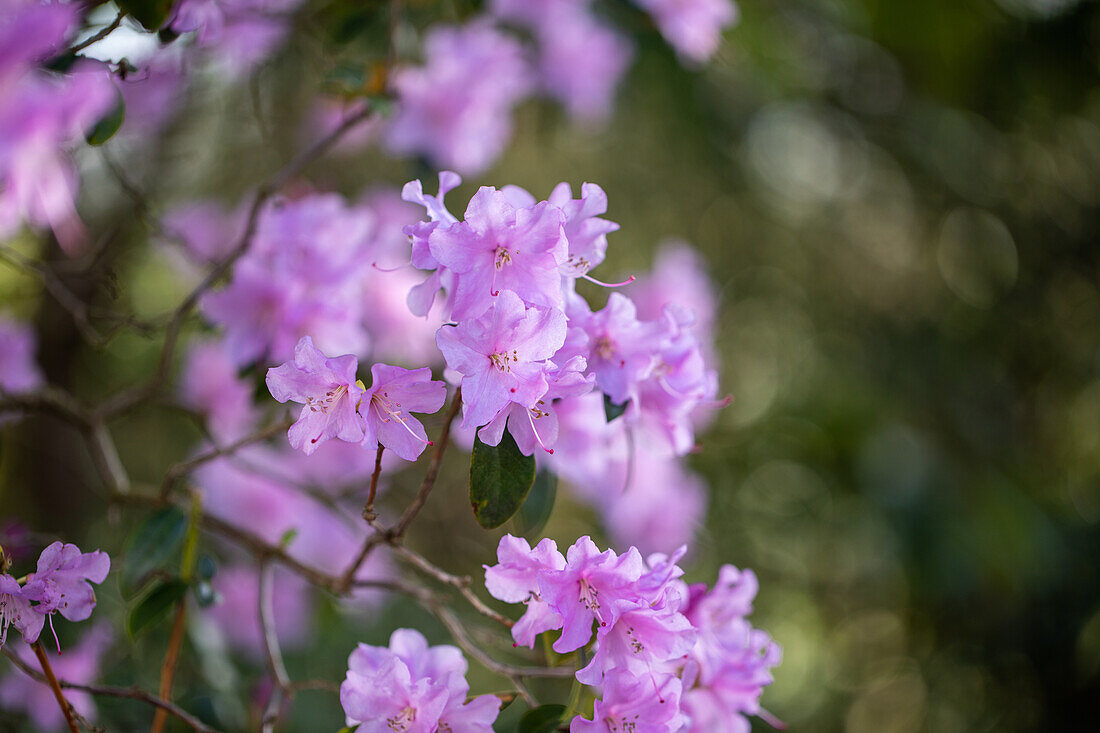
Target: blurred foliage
[(898, 204)]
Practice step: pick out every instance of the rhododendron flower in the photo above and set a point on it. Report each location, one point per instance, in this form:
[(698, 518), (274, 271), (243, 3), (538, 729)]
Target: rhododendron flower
[(410, 686), (386, 406), (62, 580), (514, 579), (456, 108), (210, 385), (692, 27), (79, 665), (16, 610), (498, 247), (502, 356), (635, 704), (621, 348), (18, 370), (644, 637), (329, 391)]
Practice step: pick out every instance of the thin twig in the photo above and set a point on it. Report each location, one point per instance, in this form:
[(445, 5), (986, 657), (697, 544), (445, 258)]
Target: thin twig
[(103, 33), (129, 693), (281, 686), (461, 582), (181, 469), (65, 297), (52, 681), (368, 510), (168, 669), (393, 536), (130, 397)]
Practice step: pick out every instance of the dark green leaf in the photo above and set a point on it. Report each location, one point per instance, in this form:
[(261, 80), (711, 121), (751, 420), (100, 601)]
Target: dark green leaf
[(109, 124), (150, 13), (543, 719), (156, 605), (532, 516), (500, 477), (152, 544), (612, 410)]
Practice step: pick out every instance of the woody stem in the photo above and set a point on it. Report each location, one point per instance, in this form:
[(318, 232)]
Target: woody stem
[(48, 670), (369, 508)]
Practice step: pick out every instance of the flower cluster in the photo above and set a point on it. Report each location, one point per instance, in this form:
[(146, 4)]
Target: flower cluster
[(59, 584), (668, 657), (42, 115), (524, 342), (413, 687), (337, 405)]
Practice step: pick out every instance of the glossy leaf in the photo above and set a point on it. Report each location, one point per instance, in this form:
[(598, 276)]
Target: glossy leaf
[(500, 477), (536, 510), (152, 544), (612, 410), (109, 124)]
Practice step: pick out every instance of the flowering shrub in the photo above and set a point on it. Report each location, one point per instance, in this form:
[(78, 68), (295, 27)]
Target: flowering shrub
[(298, 286)]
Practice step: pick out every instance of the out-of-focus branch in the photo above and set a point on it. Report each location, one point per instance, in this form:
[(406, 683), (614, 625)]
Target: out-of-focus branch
[(128, 398), (281, 685), (129, 693), (178, 470)]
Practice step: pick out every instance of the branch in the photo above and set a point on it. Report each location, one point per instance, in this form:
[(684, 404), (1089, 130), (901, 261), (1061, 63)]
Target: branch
[(168, 669), (103, 33), (66, 708), (181, 469), (281, 688), (130, 693), (461, 582), (130, 397)]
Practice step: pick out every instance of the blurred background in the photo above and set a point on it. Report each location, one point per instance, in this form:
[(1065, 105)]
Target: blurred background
[(897, 203)]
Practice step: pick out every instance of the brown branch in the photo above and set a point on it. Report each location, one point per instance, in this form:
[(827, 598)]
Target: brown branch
[(178, 470), (368, 509), (52, 681), (128, 398), (103, 33), (129, 693), (168, 669), (461, 582), (393, 536)]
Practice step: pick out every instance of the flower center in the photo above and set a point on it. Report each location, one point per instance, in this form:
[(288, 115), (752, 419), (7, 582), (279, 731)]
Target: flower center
[(503, 360), (330, 398), (604, 347), (402, 720), (590, 599), (502, 257)]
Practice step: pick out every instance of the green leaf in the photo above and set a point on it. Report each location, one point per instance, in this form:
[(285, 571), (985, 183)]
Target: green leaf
[(500, 477), (150, 13), (151, 545), (543, 719), (612, 410), (156, 604), (109, 124), (534, 513)]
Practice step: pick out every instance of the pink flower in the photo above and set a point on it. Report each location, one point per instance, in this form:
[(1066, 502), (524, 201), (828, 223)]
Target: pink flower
[(499, 247), (692, 27), (514, 579), (62, 580), (622, 348), (211, 386), (502, 356), (16, 610), (386, 406), (635, 704), (18, 370), (235, 613), (410, 686), (329, 391), (456, 108)]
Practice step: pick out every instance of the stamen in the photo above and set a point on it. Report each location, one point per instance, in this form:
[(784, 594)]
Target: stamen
[(384, 407), (376, 266), (591, 279), (534, 430)]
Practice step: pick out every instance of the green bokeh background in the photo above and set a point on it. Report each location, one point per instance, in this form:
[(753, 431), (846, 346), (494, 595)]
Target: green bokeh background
[(897, 202)]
